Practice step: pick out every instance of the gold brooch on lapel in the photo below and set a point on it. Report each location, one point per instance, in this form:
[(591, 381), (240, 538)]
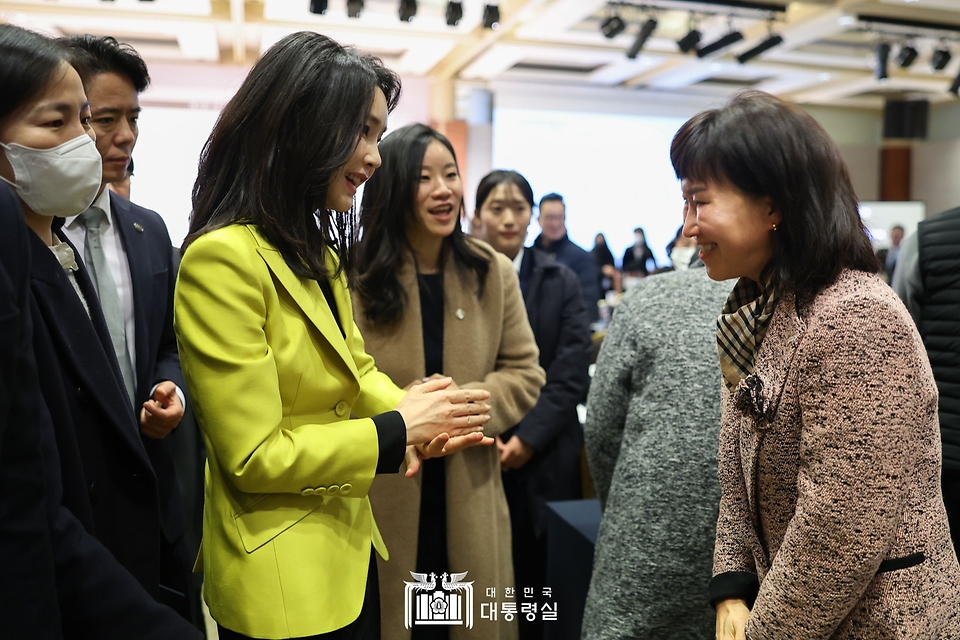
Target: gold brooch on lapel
[(138, 227), (460, 315)]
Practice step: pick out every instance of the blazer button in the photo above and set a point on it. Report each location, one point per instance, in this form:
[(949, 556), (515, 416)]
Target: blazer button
[(341, 408), (332, 490), (346, 488), (307, 492), (94, 492)]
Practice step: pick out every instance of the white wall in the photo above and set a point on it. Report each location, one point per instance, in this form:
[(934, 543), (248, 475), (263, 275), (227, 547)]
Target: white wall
[(935, 174)]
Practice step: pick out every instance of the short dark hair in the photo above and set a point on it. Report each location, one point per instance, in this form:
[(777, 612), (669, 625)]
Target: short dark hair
[(386, 209), (495, 178), (766, 147), (553, 197), (91, 56), (279, 142), (28, 62)]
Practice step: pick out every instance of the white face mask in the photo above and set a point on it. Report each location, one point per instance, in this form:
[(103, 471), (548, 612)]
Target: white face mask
[(681, 257), (62, 181)]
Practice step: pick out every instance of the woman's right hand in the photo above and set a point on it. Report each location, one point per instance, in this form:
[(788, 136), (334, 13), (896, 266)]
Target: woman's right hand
[(433, 408), (732, 618)]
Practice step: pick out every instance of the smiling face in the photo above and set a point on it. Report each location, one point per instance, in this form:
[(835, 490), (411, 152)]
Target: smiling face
[(553, 220), (733, 231), (505, 216), (115, 110), (364, 161), (436, 209)]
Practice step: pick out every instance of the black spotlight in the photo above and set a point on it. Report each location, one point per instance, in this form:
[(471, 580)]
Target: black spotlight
[(354, 8), (491, 17), (955, 87), (731, 38), (318, 7), (612, 26), (883, 58), (408, 9), (454, 13), (646, 30), (906, 56), (690, 41), (940, 60), (763, 47)]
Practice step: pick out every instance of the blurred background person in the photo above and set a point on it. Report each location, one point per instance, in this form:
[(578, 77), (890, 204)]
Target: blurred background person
[(297, 419), (607, 266), (682, 251), (927, 279), (832, 522), (554, 240), (540, 456), (638, 260), (652, 433), (434, 301)]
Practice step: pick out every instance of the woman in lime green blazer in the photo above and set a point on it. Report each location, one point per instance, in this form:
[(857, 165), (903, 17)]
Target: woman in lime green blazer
[(295, 415)]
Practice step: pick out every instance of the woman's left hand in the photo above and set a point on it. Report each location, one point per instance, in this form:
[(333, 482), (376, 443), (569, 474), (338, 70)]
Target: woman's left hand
[(442, 445)]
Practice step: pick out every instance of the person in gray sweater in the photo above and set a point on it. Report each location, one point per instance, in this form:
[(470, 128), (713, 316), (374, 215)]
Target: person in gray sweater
[(652, 434)]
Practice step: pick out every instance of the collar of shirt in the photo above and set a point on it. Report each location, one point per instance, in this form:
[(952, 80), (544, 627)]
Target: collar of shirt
[(518, 260), (102, 201)]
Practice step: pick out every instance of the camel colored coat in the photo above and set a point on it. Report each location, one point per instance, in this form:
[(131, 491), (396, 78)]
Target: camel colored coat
[(487, 344), (830, 476)]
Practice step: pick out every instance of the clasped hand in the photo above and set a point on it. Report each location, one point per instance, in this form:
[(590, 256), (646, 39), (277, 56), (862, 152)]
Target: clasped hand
[(442, 419)]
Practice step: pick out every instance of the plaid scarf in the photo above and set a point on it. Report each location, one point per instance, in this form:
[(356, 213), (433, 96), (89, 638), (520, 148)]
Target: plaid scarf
[(741, 327)]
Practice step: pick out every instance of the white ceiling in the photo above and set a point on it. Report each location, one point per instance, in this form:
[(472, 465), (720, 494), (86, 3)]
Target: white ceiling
[(827, 56)]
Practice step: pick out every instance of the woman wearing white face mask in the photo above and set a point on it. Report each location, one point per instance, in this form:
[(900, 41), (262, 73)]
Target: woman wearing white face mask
[(47, 154)]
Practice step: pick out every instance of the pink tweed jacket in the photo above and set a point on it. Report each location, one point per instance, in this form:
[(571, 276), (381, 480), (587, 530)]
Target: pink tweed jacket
[(830, 476)]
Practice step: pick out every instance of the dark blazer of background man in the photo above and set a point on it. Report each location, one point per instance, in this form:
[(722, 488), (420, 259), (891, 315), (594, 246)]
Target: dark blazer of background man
[(554, 240), (927, 279), (56, 581), (113, 76)]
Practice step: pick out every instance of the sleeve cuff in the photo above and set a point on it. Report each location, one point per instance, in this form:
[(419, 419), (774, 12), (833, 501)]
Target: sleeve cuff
[(392, 439), (741, 585)]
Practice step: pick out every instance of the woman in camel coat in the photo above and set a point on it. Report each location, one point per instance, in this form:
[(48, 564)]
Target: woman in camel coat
[(831, 523), (417, 266)]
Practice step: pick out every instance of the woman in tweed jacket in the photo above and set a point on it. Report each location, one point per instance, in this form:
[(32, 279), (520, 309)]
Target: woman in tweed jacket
[(831, 521)]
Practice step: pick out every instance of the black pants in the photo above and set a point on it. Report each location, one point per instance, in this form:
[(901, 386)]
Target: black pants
[(951, 500), (365, 627)]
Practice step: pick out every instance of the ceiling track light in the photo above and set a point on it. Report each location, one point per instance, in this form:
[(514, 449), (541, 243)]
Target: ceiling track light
[(491, 17), (760, 49), (907, 56), (883, 59), (354, 8), (646, 30), (690, 41), (612, 26), (408, 10), (454, 13), (318, 7), (731, 38), (941, 58)]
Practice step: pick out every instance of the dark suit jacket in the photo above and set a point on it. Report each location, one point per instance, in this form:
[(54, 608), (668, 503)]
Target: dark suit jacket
[(109, 482), (57, 580), (581, 262), (551, 294)]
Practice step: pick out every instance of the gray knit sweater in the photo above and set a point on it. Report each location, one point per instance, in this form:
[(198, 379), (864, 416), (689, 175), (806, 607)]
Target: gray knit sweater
[(652, 429)]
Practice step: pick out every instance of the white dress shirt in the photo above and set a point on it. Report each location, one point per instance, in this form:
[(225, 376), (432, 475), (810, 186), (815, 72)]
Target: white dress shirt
[(518, 260)]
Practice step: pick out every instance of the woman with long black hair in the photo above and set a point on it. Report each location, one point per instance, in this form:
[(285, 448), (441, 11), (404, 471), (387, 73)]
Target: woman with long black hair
[(296, 417), (434, 301)]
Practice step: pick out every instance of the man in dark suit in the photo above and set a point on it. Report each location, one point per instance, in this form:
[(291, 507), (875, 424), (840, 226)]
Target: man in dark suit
[(541, 455), (127, 250), (57, 581)]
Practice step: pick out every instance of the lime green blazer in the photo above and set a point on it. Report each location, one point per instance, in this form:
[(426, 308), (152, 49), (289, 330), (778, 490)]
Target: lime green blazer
[(284, 404)]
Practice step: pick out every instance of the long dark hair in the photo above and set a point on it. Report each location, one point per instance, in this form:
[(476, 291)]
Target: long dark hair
[(279, 142), (768, 148), (28, 61), (388, 207)]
